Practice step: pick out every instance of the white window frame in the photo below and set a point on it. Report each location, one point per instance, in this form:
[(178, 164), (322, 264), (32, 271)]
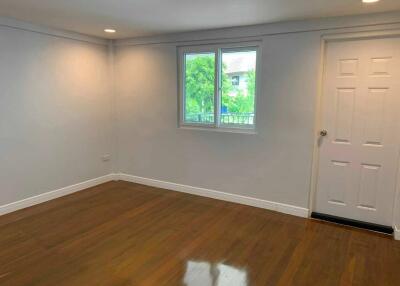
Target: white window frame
[(218, 49)]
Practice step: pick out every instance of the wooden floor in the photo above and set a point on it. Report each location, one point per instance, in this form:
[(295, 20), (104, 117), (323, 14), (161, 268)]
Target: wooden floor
[(121, 233)]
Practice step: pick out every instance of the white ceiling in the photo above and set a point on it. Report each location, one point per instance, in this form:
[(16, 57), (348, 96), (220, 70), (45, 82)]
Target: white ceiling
[(148, 17)]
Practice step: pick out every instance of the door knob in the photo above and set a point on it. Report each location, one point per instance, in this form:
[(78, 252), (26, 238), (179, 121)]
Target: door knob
[(323, 133)]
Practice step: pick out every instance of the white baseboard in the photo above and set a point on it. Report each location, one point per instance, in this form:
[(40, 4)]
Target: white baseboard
[(279, 207), (396, 233), (8, 208)]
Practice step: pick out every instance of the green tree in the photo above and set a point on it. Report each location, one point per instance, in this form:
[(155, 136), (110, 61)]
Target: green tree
[(199, 84), (251, 83)]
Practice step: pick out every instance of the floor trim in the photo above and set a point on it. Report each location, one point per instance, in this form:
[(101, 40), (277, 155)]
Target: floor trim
[(396, 233), (352, 222), (275, 206), (28, 202)]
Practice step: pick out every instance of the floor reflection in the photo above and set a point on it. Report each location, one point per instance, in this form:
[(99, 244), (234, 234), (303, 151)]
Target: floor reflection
[(215, 274)]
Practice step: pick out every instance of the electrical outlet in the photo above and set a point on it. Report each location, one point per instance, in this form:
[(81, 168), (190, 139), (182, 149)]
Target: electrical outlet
[(106, 158)]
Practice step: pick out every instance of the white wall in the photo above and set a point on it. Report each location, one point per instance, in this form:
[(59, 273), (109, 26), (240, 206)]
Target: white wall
[(276, 163), (55, 111)]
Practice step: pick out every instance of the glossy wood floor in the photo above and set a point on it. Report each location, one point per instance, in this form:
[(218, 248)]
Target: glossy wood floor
[(121, 233)]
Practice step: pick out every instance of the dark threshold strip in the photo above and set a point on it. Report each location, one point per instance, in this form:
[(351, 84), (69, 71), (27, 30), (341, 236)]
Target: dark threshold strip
[(352, 222)]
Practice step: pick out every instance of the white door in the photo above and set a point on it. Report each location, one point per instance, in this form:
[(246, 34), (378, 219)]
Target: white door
[(360, 111)]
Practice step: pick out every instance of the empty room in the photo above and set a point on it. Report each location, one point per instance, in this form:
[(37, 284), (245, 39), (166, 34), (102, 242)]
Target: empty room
[(199, 143)]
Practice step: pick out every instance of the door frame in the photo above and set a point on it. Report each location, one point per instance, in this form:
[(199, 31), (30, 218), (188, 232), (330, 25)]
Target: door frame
[(325, 39)]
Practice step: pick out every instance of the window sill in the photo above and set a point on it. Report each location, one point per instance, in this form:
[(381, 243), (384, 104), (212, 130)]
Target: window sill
[(249, 131)]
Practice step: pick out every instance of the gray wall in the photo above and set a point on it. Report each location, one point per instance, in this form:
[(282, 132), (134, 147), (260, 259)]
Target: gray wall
[(55, 112), (276, 163), (273, 164)]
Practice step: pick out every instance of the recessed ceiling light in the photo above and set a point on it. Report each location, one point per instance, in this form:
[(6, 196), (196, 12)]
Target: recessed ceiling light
[(109, 30), (370, 1)]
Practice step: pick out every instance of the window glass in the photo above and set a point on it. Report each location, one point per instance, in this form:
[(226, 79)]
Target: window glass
[(199, 88), (238, 81)]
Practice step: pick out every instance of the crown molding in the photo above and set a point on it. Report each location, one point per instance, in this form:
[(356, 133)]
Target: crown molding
[(389, 20), (24, 26)]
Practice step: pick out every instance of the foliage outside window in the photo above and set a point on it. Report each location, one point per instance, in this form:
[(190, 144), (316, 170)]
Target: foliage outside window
[(199, 87), (219, 87)]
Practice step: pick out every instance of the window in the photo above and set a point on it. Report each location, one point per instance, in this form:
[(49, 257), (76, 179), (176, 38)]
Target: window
[(235, 80), (218, 86)]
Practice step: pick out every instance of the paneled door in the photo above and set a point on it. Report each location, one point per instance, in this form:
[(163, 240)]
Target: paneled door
[(359, 136)]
